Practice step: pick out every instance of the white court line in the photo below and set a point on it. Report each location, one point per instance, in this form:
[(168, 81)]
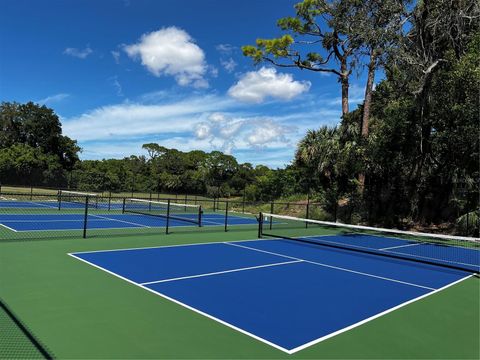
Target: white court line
[(415, 256), (222, 272), (123, 221), (337, 267), (185, 306), (400, 246), (9, 228), (44, 221), (348, 246), (316, 341), (130, 228), (292, 351), (164, 246)]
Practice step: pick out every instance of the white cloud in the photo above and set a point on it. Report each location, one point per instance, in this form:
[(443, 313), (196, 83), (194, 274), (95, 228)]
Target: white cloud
[(256, 86), (171, 51), (78, 53), (226, 133), (266, 132), (229, 64), (53, 98), (132, 119), (116, 84), (225, 49), (116, 56)]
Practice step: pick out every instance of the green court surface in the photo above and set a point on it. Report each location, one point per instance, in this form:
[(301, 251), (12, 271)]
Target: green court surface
[(77, 311)]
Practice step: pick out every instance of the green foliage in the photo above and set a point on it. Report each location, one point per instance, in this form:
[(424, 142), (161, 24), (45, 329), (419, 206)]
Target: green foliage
[(32, 147), (468, 224)]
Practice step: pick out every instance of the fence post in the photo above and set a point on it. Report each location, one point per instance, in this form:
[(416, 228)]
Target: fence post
[(123, 205), (31, 193), (272, 207), (226, 216), (260, 225), (59, 195), (243, 202), (168, 217), (200, 213), (307, 212), (85, 218)]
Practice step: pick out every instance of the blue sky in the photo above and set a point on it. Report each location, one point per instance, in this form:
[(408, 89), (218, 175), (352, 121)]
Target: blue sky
[(121, 73)]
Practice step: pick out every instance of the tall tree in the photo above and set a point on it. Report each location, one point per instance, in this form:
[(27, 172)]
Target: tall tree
[(312, 42)]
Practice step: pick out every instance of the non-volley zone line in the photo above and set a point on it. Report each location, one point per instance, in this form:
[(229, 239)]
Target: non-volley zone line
[(207, 292)]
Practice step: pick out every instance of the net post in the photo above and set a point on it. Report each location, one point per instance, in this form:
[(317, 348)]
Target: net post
[(85, 218), (226, 216), (200, 213), (59, 195), (123, 205), (243, 200), (307, 212), (168, 217), (260, 225), (272, 207)]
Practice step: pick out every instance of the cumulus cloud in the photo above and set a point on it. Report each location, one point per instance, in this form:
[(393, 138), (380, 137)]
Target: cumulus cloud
[(267, 132), (227, 133), (229, 64), (256, 86), (171, 51), (53, 98), (78, 53)]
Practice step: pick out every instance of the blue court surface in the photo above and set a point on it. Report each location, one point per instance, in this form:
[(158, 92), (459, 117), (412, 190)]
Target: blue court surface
[(49, 222), (285, 293)]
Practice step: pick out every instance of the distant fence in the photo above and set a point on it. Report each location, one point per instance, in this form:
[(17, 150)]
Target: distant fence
[(32, 215)]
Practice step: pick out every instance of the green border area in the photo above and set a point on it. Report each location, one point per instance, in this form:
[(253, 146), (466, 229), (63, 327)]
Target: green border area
[(78, 311)]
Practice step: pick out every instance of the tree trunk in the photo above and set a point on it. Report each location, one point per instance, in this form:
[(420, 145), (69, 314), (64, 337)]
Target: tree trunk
[(366, 110), (345, 84), (368, 94)]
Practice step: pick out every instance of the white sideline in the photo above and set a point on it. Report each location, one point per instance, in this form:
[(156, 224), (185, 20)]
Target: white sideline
[(291, 351), (122, 221), (186, 306), (336, 267)]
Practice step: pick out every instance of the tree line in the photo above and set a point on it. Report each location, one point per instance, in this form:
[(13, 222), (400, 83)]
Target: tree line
[(408, 154), (34, 152)]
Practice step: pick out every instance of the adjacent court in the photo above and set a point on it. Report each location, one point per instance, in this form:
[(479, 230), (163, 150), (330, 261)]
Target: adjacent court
[(62, 221), (285, 293)]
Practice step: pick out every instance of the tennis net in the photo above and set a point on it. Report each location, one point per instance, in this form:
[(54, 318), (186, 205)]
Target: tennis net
[(457, 252), (182, 212), (76, 199)]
